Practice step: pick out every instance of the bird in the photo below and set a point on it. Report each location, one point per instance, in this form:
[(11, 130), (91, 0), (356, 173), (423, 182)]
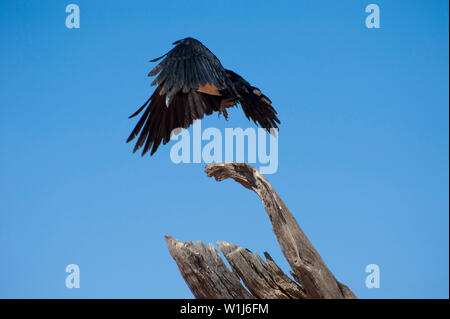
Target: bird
[(191, 83)]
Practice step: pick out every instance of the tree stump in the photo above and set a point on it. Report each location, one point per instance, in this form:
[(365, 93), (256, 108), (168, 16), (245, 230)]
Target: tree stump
[(207, 275)]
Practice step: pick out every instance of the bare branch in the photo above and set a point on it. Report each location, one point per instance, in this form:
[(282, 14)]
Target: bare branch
[(306, 263)]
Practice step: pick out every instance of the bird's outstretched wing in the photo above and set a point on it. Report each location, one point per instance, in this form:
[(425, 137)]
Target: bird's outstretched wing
[(256, 106), (191, 83)]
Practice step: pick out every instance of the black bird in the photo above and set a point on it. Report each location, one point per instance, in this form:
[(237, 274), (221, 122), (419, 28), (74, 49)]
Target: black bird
[(191, 83)]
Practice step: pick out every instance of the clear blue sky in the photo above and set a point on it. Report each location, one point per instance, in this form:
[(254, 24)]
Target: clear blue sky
[(363, 149)]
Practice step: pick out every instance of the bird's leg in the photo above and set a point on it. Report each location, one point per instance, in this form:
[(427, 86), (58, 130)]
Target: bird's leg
[(222, 110), (225, 114), (223, 107)]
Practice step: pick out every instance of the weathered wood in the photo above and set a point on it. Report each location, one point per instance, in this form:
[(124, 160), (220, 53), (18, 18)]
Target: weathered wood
[(307, 265), (283, 281), (204, 271), (265, 281), (207, 276)]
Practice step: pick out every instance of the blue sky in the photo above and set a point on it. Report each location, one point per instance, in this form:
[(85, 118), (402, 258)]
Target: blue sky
[(363, 147)]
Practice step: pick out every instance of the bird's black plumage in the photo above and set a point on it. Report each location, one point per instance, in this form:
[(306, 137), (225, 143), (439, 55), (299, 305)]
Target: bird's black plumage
[(191, 82)]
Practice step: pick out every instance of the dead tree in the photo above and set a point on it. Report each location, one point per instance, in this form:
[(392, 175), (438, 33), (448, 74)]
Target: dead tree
[(208, 276)]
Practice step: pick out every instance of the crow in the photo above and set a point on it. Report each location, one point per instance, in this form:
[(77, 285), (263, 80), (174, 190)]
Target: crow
[(191, 82)]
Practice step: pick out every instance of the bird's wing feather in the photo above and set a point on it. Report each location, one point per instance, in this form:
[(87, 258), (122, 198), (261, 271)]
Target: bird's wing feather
[(256, 106), (188, 66), (158, 121)]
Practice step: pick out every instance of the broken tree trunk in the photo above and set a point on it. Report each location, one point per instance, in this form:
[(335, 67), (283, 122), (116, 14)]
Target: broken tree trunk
[(208, 277)]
